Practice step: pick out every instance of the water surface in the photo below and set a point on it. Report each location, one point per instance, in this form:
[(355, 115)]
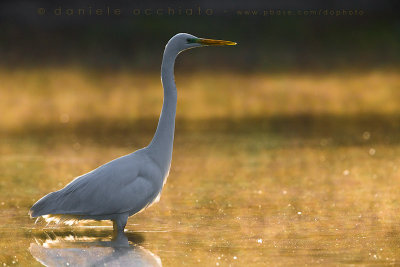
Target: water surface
[(266, 187)]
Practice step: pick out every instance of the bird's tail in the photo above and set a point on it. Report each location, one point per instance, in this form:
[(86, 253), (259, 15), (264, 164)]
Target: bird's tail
[(45, 205), (47, 208), (68, 219)]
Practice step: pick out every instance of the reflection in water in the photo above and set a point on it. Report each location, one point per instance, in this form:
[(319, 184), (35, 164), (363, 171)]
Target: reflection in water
[(73, 250)]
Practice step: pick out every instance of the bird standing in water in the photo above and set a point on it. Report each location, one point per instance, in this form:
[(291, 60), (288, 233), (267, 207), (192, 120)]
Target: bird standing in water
[(129, 184)]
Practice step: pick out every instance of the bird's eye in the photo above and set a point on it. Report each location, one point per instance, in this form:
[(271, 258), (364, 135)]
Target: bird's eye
[(191, 40)]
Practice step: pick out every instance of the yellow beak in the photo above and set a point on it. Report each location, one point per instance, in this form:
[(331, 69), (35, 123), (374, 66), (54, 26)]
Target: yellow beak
[(215, 42)]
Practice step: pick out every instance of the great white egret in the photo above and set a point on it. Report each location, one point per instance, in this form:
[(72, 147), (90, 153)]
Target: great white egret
[(129, 184)]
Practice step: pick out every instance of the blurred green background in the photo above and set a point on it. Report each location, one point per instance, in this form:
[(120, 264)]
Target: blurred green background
[(287, 145), (332, 38)]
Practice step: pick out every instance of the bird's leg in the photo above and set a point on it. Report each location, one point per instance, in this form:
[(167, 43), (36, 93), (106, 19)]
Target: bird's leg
[(119, 224), (119, 238)]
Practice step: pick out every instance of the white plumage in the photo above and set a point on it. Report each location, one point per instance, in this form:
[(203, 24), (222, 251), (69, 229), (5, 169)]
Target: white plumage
[(129, 184)]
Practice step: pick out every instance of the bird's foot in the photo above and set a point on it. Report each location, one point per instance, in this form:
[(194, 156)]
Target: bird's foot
[(119, 239)]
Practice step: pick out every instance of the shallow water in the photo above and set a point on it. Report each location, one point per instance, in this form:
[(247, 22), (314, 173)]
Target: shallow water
[(285, 173), (232, 198)]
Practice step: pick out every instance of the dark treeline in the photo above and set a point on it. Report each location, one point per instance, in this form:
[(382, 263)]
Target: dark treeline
[(271, 36)]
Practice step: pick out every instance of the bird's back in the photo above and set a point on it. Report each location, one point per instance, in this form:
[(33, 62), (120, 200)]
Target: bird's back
[(120, 186)]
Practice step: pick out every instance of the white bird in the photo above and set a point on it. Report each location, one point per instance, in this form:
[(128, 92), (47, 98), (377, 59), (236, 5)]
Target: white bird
[(129, 184)]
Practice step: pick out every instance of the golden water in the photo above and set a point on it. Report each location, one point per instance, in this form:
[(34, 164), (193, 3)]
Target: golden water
[(276, 190)]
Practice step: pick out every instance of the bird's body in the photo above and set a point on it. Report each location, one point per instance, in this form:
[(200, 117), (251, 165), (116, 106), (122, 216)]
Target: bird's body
[(129, 184), (113, 191)]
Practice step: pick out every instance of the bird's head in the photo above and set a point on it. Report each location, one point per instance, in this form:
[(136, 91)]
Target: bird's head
[(183, 41)]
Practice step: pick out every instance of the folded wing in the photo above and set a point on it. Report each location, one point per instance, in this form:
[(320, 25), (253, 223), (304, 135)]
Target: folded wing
[(116, 187)]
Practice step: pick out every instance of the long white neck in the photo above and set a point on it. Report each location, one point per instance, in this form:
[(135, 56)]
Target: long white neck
[(160, 148)]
